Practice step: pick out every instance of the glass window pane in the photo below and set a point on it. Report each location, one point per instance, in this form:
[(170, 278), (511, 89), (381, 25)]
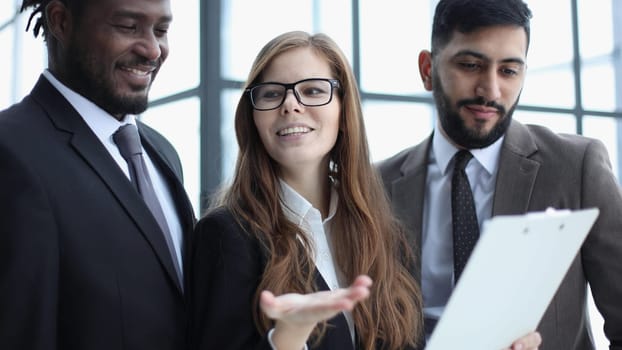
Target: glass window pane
[(391, 39), (229, 100), (598, 85), (606, 130), (8, 9), (179, 122), (181, 69), (335, 19), (551, 86), (248, 25), (6, 68), (597, 323), (549, 80), (555, 121), (394, 126), (596, 39), (30, 57)]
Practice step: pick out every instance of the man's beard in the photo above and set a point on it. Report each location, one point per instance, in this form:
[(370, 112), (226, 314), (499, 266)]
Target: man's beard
[(455, 127), (87, 77)]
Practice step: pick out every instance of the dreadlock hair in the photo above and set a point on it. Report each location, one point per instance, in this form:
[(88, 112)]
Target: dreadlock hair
[(39, 8)]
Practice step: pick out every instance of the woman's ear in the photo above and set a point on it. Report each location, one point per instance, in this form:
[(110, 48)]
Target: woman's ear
[(425, 69), (59, 21)]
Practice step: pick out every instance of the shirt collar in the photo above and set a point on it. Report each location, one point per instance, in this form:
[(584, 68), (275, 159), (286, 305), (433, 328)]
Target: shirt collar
[(100, 121), (444, 151), (297, 207)]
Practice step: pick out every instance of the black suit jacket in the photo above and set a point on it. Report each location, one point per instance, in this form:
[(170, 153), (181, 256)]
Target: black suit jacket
[(227, 264), (83, 263), (539, 169)]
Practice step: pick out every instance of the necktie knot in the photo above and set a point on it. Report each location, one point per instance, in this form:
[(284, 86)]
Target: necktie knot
[(462, 158), (128, 141)]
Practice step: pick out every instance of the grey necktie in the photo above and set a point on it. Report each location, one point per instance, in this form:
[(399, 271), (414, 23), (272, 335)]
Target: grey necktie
[(464, 216), (128, 142)]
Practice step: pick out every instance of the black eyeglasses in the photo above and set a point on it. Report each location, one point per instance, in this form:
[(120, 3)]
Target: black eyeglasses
[(309, 92)]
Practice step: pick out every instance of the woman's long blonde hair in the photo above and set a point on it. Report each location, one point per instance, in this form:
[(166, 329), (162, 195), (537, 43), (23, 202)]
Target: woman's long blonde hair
[(366, 237)]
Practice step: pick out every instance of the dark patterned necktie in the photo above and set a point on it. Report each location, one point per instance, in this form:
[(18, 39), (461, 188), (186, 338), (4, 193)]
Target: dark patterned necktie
[(128, 142), (464, 216)]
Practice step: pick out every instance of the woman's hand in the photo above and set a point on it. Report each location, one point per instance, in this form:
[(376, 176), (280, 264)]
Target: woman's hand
[(530, 341), (297, 314)]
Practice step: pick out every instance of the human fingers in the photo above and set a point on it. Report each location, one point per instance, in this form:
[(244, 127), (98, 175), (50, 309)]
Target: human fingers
[(530, 341), (358, 290), (314, 306)]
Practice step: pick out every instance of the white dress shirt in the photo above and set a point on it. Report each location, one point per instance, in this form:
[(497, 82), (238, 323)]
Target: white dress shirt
[(437, 239), (104, 126), (301, 212)]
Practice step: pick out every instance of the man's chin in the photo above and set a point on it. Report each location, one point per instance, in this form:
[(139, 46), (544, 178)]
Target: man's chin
[(134, 91), (131, 104), (480, 133)]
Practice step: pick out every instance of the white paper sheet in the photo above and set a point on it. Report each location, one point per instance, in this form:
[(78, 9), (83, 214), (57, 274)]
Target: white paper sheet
[(510, 279)]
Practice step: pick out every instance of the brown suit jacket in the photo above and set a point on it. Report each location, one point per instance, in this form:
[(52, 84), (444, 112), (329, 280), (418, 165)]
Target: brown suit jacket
[(539, 169)]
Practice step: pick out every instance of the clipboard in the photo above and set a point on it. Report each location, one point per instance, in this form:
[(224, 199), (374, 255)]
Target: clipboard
[(511, 277)]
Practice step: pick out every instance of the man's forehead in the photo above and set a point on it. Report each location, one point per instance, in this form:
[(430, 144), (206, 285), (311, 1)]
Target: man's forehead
[(136, 8)]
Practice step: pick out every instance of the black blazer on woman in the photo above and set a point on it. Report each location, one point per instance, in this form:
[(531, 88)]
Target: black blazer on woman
[(226, 268)]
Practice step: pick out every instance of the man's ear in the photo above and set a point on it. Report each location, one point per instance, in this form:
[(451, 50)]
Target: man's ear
[(59, 21), (425, 69)]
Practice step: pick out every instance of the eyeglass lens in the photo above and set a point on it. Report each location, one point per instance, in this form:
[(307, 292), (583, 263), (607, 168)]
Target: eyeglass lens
[(311, 92)]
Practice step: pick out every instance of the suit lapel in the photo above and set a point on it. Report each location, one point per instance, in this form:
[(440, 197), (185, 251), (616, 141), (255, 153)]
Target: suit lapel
[(88, 147), (408, 195), (338, 333), (517, 172), (173, 178)]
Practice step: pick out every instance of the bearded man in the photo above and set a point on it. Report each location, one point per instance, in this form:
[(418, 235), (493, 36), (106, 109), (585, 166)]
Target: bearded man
[(476, 70), (92, 237)]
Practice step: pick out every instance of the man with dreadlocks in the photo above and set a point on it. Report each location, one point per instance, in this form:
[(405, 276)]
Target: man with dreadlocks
[(85, 262)]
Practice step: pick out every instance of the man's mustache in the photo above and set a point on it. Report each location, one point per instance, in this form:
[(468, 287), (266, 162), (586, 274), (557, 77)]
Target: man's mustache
[(482, 102)]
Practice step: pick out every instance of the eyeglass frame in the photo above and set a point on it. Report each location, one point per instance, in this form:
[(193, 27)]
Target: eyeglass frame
[(334, 84)]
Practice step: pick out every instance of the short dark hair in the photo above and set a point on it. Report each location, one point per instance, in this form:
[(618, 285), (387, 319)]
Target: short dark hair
[(467, 16)]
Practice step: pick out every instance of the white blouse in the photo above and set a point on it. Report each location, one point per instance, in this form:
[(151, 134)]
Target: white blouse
[(302, 213)]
